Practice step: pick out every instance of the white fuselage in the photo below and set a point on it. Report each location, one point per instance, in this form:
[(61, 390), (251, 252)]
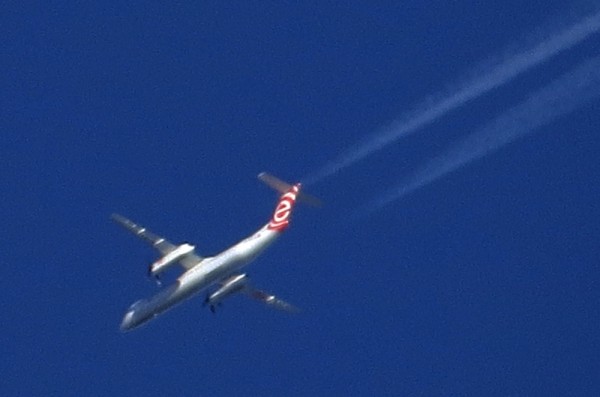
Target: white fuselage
[(208, 272)]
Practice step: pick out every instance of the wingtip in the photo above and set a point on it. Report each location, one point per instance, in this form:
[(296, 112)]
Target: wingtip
[(117, 217), (294, 310), (264, 176)]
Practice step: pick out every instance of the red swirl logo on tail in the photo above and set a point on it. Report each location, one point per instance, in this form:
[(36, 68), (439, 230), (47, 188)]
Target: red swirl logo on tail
[(281, 216)]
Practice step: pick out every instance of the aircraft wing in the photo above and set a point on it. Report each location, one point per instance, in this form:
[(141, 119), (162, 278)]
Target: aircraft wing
[(270, 300), (163, 246), (239, 283)]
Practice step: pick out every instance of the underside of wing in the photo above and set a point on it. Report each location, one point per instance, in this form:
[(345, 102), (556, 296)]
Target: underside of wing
[(270, 300), (162, 245), (183, 254), (190, 261), (238, 283)]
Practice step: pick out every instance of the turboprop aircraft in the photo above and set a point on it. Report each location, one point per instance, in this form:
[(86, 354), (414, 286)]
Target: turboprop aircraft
[(221, 275)]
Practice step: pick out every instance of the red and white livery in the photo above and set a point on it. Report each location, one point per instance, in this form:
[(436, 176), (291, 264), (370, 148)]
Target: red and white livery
[(281, 216), (221, 275)]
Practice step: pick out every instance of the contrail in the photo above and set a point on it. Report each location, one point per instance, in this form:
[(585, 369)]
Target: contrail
[(557, 99), (510, 66)]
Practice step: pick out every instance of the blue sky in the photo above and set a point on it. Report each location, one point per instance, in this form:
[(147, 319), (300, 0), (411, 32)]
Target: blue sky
[(483, 282)]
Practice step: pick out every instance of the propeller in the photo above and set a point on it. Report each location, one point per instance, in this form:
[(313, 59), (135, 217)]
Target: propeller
[(154, 277)]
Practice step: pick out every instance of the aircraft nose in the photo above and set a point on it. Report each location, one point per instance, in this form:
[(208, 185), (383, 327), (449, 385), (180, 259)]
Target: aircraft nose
[(127, 322)]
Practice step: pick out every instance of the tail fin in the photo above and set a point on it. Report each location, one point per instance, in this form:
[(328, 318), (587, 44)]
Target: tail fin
[(284, 187), (290, 193)]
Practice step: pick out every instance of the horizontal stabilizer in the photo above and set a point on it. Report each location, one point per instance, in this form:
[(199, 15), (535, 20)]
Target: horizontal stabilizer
[(283, 187)]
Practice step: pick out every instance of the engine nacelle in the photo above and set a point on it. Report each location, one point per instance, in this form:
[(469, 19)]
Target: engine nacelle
[(231, 286), (170, 259)]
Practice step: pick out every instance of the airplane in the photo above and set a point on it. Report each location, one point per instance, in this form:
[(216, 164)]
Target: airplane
[(221, 274)]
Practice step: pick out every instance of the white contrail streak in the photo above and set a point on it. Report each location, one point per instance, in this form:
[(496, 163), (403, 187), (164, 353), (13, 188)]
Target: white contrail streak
[(557, 99), (510, 66)]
